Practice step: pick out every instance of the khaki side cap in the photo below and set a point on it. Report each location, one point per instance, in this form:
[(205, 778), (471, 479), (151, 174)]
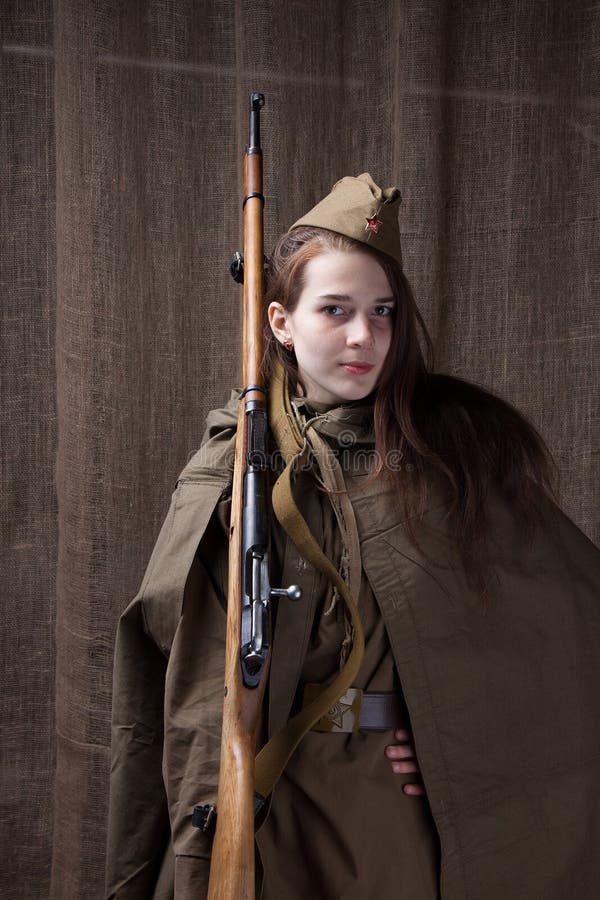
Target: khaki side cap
[(351, 205)]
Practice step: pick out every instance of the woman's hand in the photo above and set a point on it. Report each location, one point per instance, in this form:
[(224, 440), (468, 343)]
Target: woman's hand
[(404, 761)]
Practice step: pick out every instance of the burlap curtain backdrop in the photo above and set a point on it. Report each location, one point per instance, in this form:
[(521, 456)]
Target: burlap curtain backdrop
[(123, 126)]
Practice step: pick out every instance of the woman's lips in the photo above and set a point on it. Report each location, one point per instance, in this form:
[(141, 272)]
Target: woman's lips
[(358, 367)]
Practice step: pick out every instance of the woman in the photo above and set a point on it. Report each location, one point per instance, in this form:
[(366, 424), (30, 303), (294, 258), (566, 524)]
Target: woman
[(476, 599)]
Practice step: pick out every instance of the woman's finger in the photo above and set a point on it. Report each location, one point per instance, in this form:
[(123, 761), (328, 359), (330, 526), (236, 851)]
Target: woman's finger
[(400, 751), (414, 790), (402, 768)]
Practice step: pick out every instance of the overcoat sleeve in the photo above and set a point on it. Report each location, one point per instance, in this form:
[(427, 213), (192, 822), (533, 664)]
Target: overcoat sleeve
[(169, 668)]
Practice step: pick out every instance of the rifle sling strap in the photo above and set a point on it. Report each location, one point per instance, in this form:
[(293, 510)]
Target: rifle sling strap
[(272, 759)]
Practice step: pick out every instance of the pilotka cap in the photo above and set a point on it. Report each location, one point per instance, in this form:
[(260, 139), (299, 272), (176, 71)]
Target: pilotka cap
[(360, 209)]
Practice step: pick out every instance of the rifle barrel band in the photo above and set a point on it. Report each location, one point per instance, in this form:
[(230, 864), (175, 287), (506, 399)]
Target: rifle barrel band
[(254, 194), (253, 387)]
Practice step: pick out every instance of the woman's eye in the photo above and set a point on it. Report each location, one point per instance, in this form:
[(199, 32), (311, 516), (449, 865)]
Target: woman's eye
[(333, 310), (384, 310)]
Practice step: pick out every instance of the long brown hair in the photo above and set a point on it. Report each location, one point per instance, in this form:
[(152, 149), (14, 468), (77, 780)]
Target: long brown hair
[(443, 428)]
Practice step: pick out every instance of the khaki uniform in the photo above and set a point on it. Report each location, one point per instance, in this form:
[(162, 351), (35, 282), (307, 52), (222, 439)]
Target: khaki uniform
[(339, 824), (502, 698)]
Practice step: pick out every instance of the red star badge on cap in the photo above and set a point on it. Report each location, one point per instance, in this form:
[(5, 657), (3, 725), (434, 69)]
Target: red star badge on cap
[(373, 224)]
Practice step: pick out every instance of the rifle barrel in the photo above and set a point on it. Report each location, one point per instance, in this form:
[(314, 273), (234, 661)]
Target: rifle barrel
[(257, 101)]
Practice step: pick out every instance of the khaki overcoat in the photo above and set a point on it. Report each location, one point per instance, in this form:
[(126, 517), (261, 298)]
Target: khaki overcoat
[(503, 694)]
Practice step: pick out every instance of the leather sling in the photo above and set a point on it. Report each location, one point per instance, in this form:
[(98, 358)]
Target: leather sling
[(273, 757)]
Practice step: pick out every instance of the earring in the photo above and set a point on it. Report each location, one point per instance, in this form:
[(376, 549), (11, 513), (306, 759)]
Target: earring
[(289, 345)]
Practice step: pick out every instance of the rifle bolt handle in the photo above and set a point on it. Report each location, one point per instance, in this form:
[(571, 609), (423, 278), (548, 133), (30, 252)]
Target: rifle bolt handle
[(292, 593)]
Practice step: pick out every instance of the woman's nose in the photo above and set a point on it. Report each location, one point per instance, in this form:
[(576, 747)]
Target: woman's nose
[(360, 333)]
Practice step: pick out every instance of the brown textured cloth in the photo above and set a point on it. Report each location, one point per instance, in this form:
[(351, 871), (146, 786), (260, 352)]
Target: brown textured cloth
[(121, 135)]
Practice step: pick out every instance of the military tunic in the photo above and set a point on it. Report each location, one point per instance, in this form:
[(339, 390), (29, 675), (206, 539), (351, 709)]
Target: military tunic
[(339, 824)]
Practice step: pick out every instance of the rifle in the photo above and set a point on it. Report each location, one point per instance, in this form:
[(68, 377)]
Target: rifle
[(248, 637)]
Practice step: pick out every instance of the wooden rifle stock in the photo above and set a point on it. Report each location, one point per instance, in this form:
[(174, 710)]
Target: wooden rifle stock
[(247, 654)]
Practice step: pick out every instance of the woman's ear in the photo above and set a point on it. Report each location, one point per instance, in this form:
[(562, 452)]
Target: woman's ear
[(278, 321)]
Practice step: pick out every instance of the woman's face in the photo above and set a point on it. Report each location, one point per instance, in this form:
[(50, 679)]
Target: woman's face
[(341, 327)]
